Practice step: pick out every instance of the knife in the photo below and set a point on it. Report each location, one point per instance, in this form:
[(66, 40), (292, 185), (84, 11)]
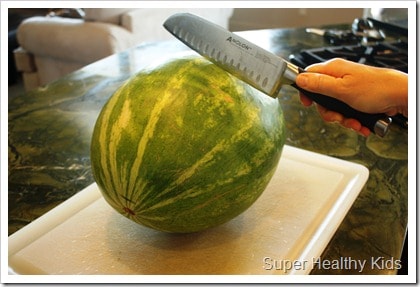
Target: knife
[(259, 68)]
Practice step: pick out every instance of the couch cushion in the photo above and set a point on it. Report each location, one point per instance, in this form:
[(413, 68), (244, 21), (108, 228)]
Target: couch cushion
[(108, 15), (72, 39)]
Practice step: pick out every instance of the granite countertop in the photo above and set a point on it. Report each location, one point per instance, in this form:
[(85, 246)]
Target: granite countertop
[(50, 130)]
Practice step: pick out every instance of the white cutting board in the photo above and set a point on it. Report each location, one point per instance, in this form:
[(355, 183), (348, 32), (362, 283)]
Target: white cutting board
[(292, 222)]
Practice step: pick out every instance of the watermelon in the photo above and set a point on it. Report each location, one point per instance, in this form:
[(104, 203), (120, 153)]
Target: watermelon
[(184, 146)]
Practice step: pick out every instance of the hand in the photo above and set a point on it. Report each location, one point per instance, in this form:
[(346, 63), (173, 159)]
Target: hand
[(365, 88)]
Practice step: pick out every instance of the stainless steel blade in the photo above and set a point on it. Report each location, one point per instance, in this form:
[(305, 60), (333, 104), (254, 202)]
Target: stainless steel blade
[(256, 66), (261, 69)]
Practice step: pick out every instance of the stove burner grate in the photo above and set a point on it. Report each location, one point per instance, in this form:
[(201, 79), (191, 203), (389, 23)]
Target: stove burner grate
[(386, 55)]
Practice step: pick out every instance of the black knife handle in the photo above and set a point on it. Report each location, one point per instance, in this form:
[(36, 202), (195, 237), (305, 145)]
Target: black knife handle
[(377, 123)]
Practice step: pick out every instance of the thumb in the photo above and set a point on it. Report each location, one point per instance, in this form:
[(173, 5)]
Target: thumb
[(317, 83)]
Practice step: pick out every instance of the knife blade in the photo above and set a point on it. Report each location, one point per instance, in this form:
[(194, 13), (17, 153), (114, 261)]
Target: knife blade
[(259, 68)]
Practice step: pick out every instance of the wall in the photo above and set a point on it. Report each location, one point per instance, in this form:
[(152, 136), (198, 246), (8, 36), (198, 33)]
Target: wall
[(254, 18)]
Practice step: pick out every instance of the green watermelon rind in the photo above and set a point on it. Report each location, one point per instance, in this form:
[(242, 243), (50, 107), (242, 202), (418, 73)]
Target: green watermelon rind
[(185, 146)]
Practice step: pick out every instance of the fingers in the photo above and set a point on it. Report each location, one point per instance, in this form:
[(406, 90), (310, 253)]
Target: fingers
[(305, 100), (364, 131), (330, 116), (334, 117)]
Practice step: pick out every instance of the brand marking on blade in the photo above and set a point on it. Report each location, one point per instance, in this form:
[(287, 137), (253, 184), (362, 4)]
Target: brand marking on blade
[(238, 43), (244, 46)]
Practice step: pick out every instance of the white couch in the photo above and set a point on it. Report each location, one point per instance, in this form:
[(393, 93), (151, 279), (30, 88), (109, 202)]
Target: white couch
[(51, 47)]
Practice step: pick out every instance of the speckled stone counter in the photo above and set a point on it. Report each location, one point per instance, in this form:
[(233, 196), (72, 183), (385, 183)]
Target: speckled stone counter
[(50, 130)]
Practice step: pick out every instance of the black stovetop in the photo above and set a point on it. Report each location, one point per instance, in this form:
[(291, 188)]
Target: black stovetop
[(389, 53), (383, 54)]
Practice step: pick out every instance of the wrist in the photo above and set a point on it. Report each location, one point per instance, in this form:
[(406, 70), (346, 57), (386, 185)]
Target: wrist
[(401, 95), (398, 91)]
